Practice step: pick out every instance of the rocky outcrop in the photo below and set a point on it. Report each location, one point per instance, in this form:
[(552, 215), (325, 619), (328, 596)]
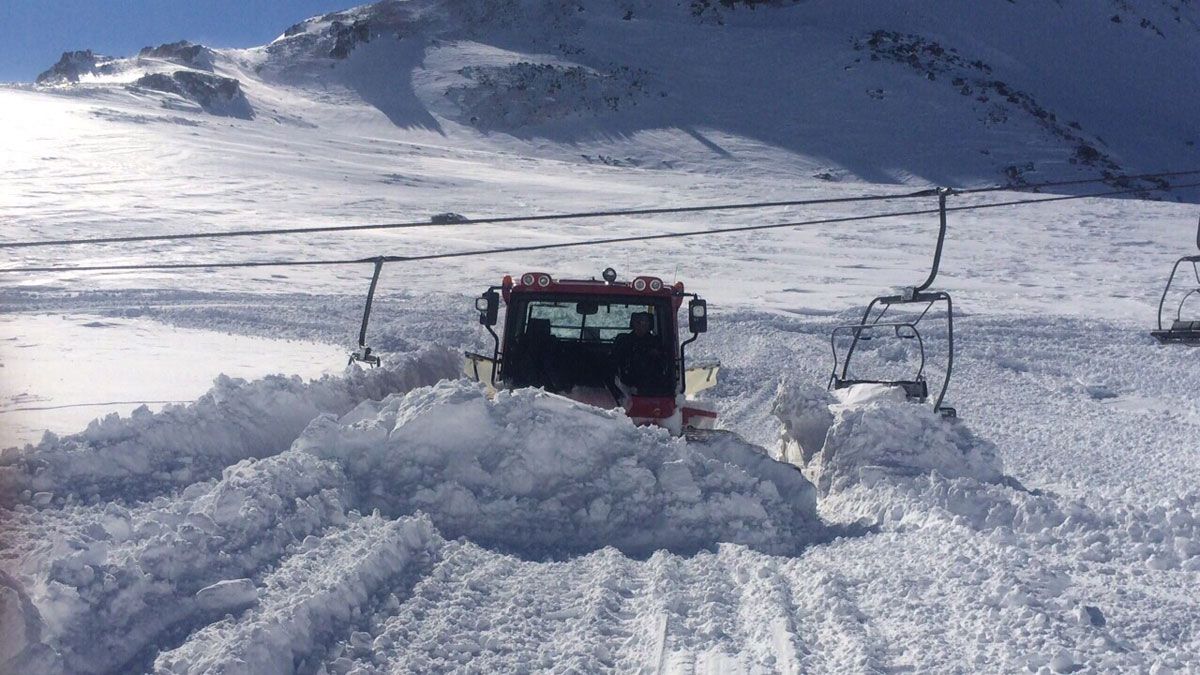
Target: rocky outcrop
[(73, 65), (215, 94), (347, 36), (182, 52)]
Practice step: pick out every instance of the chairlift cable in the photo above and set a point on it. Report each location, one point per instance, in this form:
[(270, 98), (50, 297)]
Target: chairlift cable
[(588, 214), (574, 244)]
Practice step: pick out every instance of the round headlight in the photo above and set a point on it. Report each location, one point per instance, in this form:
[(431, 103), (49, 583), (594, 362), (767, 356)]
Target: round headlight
[(655, 285), (609, 274), (527, 280), (639, 284), (698, 310), (543, 281)]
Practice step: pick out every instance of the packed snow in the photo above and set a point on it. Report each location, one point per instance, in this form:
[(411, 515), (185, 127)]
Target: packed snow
[(270, 510)]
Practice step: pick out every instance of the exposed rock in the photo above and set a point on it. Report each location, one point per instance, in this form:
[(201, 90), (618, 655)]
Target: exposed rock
[(72, 65), (182, 52), (525, 93), (347, 36), (973, 78), (215, 94)]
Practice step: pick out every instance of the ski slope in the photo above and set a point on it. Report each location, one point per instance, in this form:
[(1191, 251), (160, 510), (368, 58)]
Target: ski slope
[(398, 520)]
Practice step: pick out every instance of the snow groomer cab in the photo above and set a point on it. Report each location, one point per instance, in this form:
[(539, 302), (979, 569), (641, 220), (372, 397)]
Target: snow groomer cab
[(603, 342)]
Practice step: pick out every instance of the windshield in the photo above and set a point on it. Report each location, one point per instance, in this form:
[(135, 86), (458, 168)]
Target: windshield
[(572, 320), (622, 345)]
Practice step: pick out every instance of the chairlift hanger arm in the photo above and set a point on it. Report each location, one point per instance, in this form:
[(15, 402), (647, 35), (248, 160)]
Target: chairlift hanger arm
[(364, 353), (942, 193)]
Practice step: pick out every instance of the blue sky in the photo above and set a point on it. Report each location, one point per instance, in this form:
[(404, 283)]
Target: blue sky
[(34, 33)]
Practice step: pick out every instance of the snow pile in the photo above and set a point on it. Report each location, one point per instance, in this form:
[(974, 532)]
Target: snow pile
[(129, 576), (869, 431), (538, 475), (874, 456), (279, 542), (21, 628), (312, 597), (150, 453)]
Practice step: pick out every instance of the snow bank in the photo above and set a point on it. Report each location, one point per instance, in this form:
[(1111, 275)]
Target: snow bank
[(310, 599), (21, 628), (132, 575), (147, 454), (538, 474), (869, 431), (278, 541), (878, 459)]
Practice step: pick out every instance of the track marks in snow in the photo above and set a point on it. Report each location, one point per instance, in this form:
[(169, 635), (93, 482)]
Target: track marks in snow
[(308, 598), (498, 613), (603, 611)]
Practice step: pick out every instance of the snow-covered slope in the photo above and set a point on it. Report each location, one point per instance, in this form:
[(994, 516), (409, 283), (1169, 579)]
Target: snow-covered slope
[(400, 521), (883, 91)]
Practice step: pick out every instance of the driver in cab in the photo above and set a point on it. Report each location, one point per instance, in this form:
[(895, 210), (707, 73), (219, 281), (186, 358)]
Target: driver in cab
[(640, 358)]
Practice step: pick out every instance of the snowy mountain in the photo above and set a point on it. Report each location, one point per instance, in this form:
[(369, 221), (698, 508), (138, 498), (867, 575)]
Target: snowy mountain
[(218, 517), (879, 91)]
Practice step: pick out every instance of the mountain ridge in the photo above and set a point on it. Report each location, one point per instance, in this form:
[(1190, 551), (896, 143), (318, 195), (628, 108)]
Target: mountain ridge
[(879, 92)]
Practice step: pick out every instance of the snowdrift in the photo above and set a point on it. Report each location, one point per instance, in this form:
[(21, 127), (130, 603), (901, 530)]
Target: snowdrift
[(147, 453), (859, 434), (279, 545), (877, 458), (536, 474)]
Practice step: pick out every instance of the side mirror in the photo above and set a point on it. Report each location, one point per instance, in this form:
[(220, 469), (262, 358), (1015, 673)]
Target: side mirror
[(488, 305), (587, 307), (698, 316)]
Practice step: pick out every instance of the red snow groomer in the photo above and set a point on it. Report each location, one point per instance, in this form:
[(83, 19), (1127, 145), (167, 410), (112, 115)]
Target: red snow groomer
[(603, 342)]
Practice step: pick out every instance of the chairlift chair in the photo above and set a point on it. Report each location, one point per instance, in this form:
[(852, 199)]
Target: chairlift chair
[(1181, 331), (916, 388)]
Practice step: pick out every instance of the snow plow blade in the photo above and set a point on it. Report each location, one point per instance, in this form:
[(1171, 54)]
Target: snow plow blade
[(700, 376)]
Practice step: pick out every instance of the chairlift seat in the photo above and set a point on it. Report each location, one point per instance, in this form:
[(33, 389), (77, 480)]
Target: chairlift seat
[(1187, 332), (914, 390)]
